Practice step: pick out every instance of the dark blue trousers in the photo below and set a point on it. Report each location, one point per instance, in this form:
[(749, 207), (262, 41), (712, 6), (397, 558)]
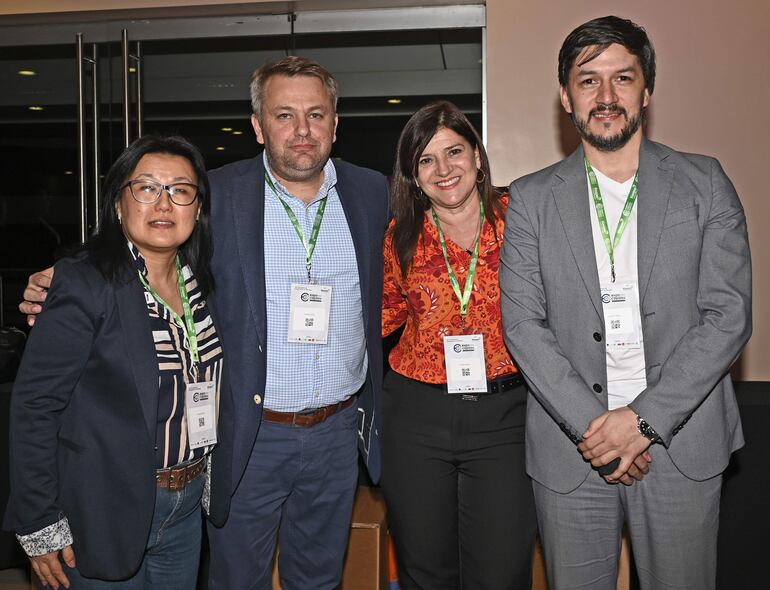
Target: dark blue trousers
[(298, 491)]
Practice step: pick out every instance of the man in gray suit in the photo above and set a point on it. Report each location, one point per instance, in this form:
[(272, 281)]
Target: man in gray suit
[(626, 288)]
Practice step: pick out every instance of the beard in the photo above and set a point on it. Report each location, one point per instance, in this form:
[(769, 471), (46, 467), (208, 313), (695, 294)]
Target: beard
[(297, 167), (613, 142)]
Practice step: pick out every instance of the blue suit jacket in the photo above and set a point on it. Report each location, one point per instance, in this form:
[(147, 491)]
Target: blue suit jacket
[(239, 269), (83, 420)]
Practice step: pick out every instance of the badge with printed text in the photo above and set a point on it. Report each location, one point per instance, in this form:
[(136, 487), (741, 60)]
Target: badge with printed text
[(620, 304), (200, 406), (309, 310), (465, 368)]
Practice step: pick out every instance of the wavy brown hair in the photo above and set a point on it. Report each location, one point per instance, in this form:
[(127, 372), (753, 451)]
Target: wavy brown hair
[(407, 202)]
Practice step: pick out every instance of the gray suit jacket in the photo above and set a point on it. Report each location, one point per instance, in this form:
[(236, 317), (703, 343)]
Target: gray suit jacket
[(695, 294)]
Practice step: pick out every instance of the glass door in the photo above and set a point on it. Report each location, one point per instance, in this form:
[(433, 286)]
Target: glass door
[(190, 76)]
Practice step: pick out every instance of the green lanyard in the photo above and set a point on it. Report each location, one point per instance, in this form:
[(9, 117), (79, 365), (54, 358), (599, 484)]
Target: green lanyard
[(308, 244), (188, 325), (601, 215), (464, 297)]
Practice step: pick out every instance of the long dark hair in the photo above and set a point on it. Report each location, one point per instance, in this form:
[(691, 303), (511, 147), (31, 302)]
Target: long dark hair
[(407, 201), (107, 249)]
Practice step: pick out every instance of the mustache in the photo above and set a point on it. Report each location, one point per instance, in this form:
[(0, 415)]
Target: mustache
[(608, 108), (304, 141)]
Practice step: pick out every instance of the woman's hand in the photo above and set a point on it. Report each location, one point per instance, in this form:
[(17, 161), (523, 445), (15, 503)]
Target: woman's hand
[(48, 567)]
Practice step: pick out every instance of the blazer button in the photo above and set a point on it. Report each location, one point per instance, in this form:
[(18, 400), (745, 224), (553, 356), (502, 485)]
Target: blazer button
[(597, 337), (597, 388), (257, 399)]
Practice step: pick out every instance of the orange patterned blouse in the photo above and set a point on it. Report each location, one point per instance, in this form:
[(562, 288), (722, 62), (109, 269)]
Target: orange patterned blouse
[(429, 306)]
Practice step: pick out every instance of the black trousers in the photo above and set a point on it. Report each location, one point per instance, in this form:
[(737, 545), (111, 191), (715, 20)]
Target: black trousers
[(460, 505)]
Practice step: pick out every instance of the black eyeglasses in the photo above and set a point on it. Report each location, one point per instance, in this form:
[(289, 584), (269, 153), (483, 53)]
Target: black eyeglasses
[(148, 191)]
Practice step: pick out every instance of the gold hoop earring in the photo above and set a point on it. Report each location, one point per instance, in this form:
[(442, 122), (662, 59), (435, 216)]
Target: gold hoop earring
[(483, 176)]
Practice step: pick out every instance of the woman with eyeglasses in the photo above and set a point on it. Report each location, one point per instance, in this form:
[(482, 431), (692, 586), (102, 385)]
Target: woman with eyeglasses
[(114, 410)]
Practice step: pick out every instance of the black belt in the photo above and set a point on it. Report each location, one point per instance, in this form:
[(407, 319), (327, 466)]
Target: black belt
[(496, 385)]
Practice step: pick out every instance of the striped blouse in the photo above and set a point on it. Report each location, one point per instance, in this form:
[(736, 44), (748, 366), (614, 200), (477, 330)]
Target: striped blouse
[(177, 369)]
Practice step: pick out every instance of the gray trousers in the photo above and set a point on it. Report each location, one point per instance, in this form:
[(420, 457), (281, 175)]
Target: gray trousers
[(672, 522)]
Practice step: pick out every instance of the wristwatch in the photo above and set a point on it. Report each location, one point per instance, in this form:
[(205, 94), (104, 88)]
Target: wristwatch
[(646, 430)]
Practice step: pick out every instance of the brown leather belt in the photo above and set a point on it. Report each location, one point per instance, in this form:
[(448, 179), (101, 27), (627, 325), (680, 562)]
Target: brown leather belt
[(306, 419), (176, 478)]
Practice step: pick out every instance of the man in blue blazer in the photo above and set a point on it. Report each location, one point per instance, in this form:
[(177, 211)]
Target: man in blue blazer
[(298, 268)]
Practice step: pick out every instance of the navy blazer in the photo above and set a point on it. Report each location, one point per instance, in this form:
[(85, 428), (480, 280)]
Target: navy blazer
[(83, 420), (238, 205)]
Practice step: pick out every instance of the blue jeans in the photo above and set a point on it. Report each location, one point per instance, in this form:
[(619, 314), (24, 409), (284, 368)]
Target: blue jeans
[(173, 548)]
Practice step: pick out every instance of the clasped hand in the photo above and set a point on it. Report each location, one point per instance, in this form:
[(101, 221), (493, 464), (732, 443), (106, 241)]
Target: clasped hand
[(614, 434)]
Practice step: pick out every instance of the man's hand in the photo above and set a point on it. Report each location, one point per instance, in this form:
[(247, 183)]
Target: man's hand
[(639, 468), (35, 293), (614, 434), (48, 567)]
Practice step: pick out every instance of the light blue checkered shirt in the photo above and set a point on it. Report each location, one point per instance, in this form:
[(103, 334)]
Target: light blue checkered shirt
[(307, 376)]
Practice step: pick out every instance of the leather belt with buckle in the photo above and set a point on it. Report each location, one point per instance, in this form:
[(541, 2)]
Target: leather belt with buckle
[(176, 478), (496, 385), (306, 419)]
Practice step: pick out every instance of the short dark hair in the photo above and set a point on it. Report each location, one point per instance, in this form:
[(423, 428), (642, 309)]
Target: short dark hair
[(602, 32), (407, 201), (107, 248), (291, 66)]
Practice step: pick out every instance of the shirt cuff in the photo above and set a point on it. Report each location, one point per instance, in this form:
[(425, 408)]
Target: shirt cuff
[(54, 537), (206, 496)]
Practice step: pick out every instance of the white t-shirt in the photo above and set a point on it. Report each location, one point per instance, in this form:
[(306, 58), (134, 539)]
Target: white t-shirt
[(626, 376)]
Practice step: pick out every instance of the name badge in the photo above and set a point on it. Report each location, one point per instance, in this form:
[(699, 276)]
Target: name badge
[(620, 304), (464, 359), (200, 404), (309, 310)]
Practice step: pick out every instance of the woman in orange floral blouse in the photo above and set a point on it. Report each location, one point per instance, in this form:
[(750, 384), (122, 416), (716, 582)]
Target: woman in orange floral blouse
[(459, 501)]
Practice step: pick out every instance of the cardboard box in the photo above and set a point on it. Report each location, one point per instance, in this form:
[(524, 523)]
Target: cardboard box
[(366, 561)]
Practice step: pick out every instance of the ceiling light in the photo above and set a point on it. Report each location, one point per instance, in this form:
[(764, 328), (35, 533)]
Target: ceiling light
[(132, 70), (220, 148), (68, 172), (27, 73), (394, 101), (236, 132), (227, 128), (35, 108)]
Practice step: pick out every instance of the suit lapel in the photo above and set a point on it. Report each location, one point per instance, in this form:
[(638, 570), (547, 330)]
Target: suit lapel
[(249, 223), (349, 192), (570, 193), (140, 347), (656, 178)]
